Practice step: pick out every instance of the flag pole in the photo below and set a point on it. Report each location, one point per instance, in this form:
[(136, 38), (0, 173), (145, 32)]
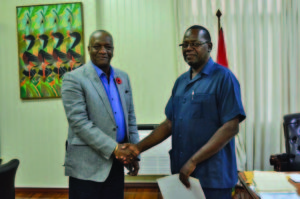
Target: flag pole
[(219, 14), (221, 53)]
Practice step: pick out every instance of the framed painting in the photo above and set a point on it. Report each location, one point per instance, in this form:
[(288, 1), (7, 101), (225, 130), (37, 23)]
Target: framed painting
[(50, 44)]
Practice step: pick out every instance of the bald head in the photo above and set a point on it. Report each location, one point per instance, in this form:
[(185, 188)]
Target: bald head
[(99, 32)]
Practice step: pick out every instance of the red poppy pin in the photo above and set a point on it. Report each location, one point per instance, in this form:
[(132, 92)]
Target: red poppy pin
[(118, 80)]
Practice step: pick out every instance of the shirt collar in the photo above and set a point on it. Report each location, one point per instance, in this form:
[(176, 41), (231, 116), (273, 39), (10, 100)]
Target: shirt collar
[(208, 67), (100, 72)]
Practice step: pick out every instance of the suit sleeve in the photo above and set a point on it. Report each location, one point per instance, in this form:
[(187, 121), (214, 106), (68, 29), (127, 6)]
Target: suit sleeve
[(76, 111)]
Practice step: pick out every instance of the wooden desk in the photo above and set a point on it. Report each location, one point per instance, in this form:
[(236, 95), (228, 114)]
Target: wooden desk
[(243, 180)]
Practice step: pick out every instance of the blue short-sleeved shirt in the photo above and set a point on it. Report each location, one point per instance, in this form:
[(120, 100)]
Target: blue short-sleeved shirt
[(197, 109)]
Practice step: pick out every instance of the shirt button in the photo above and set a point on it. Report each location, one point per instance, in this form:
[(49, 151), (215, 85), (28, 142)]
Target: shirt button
[(115, 112), (114, 129)]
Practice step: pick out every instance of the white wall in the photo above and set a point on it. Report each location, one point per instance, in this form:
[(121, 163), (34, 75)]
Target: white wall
[(34, 131), (144, 39)]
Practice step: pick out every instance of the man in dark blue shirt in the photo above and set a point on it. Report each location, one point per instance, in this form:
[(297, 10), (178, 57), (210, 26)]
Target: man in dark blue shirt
[(203, 116)]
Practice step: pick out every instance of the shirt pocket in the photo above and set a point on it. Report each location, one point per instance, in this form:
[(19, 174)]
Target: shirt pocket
[(200, 103)]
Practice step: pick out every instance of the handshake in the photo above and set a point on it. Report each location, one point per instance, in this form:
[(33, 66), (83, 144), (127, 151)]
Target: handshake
[(126, 153)]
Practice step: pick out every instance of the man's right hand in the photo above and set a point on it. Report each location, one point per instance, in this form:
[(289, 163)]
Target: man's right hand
[(126, 153), (133, 148)]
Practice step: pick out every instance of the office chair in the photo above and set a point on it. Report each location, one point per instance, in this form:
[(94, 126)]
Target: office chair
[(7, 179), (289, 161)]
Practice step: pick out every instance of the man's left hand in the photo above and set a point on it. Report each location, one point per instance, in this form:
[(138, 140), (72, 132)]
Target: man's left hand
[(135, 168), (186, 171)]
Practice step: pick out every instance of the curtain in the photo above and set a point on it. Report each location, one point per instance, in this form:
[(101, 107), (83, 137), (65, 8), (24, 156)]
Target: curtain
[(263, 47)]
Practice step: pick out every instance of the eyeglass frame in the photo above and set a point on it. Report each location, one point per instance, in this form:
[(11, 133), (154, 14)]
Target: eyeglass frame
[(192, 44)]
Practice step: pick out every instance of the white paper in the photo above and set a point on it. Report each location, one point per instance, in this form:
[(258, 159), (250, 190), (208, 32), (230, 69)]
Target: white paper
[(172, 188), (279, 196), (295, 177), (275, 182)]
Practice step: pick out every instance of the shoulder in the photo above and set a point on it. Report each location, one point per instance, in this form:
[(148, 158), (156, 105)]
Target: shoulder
[(120, 73), (221, 70), (223, 73), (117, 70), (180, 79), (77, 72), (183, 76)]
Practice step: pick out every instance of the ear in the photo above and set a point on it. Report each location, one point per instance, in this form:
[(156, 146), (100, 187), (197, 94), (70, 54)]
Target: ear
[(210, 46)]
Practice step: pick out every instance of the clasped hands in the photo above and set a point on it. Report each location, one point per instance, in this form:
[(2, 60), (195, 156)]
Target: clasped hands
[(127, 153)]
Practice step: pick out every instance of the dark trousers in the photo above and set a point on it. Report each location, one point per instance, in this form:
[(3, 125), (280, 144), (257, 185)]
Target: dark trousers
[(217, 193), (112, 187)]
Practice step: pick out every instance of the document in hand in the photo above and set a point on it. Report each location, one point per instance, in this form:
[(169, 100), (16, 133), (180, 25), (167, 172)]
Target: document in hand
[(172, 188)]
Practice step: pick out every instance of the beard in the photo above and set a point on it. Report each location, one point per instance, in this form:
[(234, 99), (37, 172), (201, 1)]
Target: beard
[(196, 64)]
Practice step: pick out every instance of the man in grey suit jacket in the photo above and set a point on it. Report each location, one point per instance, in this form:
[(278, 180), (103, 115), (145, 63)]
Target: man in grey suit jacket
[(98, 103)]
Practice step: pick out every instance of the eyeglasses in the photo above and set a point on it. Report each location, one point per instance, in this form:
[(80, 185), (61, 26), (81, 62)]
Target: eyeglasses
[(97, 48), (193, 44)]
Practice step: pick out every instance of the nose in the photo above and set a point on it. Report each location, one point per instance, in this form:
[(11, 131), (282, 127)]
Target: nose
[(102, 50)]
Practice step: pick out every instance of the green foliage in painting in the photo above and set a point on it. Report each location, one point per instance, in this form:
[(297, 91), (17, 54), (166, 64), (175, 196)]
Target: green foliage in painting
[(50, 39)]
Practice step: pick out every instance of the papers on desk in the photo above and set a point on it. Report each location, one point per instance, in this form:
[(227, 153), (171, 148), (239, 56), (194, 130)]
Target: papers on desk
[(276, 182), (294, 177), (172, 188), (273, 185), (278, 196)]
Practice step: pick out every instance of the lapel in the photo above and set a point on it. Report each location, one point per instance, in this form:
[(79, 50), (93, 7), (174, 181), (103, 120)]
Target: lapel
[(121, 88), (93, 77)]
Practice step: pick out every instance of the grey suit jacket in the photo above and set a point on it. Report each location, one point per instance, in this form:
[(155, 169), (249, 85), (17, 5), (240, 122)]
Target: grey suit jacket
[(92, 128)]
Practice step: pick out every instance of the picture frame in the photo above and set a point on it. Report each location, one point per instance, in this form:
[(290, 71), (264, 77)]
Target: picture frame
[(50, 44)]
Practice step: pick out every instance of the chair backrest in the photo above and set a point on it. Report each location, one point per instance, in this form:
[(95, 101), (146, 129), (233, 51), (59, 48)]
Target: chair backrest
[(291, 126), (7, 179)]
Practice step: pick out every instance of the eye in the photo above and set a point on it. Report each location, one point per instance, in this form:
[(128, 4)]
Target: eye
[(27, 22), (96, 47), (55, 21), (42, 21), (108, 47)]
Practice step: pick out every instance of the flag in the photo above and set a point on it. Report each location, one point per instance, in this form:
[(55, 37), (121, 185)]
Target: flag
[(221, 54)]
